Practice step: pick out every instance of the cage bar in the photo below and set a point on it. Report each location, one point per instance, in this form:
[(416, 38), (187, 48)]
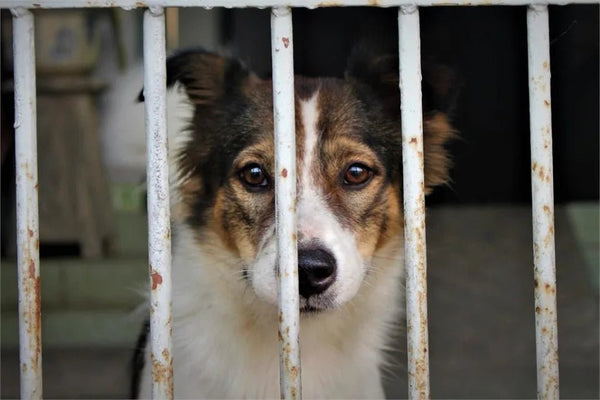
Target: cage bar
[(159, 228), (130, 4), (540, 115), (28, 260), (282, 48), (414, 202)]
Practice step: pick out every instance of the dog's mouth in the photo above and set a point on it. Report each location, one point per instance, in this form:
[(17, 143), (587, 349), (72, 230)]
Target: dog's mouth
[(315, 304), (311, 310)]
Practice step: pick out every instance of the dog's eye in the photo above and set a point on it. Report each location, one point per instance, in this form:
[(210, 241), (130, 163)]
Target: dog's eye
[(253, 176), (357, 175)]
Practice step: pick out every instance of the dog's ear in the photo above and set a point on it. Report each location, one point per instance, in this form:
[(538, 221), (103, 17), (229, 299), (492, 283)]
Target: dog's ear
[(379, 74), (379, 71), (206, 77), (376, 72)]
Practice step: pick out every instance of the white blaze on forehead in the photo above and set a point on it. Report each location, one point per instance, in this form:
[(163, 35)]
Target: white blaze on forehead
[(309, 111), (317, 222)]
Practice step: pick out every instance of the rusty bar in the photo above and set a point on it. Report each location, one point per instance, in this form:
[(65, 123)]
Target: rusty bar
[(282, 50), (414, 202), (130, 4), (542, 202), (28, 260), (159, 228)]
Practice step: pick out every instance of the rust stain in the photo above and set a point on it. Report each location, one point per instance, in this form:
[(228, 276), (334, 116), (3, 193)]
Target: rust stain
[(31, 269), (546, 209), (294, 237), (286, 42), (545, 65), (140, 4), (542, 174), (284, 172), (163, 374), (549, 288), (538, 310), (413, 140), (37, 5), (374, 3), (534, 166), (156, 280), (294, 372), (37, 244), (546, 103), (30, 232), (535, 282), (329, 4), (166, 354)]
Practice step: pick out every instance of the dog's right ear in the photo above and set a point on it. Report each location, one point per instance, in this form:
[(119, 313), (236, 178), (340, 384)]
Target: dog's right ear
[(206, 77)]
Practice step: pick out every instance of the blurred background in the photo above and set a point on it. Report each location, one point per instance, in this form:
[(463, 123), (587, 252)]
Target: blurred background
[(92, 194)]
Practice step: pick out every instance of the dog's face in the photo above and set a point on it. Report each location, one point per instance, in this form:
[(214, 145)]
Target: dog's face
[(349, 177)]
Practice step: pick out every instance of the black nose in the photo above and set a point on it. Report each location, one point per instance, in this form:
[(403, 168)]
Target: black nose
[(316, 270)]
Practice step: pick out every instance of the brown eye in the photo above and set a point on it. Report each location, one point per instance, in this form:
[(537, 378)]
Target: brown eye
[(253, 176), (357, 175)]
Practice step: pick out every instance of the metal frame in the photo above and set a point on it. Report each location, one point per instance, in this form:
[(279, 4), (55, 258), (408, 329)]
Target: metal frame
[(283, 93)]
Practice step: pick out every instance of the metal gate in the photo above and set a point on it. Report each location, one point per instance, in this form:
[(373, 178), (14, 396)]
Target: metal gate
[(283, 99)]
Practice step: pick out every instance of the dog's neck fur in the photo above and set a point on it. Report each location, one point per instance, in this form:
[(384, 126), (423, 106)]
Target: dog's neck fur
[(226, 346)]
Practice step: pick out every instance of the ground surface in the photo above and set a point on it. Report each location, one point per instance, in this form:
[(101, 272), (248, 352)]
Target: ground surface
[(482, 341)]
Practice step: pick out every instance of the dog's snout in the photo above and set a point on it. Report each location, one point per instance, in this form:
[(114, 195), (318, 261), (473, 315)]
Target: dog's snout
[(316, 271)]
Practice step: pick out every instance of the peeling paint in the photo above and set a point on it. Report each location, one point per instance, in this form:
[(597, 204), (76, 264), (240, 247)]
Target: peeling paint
[(156, 279)]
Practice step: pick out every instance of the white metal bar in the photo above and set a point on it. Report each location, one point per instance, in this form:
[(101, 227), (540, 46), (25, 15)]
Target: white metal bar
[(282, 48), (28, 260), (130, 4), (414, 202), (158, 203), (542, 202)]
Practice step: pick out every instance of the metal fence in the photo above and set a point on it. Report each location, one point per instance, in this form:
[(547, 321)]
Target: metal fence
[(283, 93)]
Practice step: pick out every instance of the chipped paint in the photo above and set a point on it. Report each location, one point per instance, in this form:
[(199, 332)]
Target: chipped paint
[(29, 281), (414, 203), (156, 279), (159, 229), (310, 4), (285, 198), (542, 203)]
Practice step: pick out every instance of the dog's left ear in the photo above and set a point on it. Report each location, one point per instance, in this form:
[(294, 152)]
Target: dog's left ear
[(206, 77), (378, 74)]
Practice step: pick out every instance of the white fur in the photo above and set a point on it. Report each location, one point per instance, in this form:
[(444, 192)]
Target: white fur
[(225, 332)]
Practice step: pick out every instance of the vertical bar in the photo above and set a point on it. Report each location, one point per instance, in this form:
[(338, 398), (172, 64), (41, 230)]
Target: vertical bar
[(414, 202), (542, 202), (158, 203), (28, 260), (282, 49)]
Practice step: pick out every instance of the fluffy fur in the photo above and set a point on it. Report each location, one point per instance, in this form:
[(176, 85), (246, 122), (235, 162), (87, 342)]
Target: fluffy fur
[(349, 207)]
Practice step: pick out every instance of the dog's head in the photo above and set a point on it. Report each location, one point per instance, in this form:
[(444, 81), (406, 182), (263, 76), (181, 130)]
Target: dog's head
[(349, 158)]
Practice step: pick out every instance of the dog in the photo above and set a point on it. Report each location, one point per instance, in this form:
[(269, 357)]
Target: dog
[(350, 227)]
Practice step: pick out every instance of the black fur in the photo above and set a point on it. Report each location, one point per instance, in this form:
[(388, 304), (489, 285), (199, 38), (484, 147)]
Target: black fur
[(138, 361)]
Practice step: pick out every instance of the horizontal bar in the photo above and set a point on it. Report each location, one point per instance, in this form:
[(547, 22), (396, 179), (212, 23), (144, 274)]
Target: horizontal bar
[(28, 259), (282, 48), (414, 202), (130, 4), (540, 115), (159, 228)]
